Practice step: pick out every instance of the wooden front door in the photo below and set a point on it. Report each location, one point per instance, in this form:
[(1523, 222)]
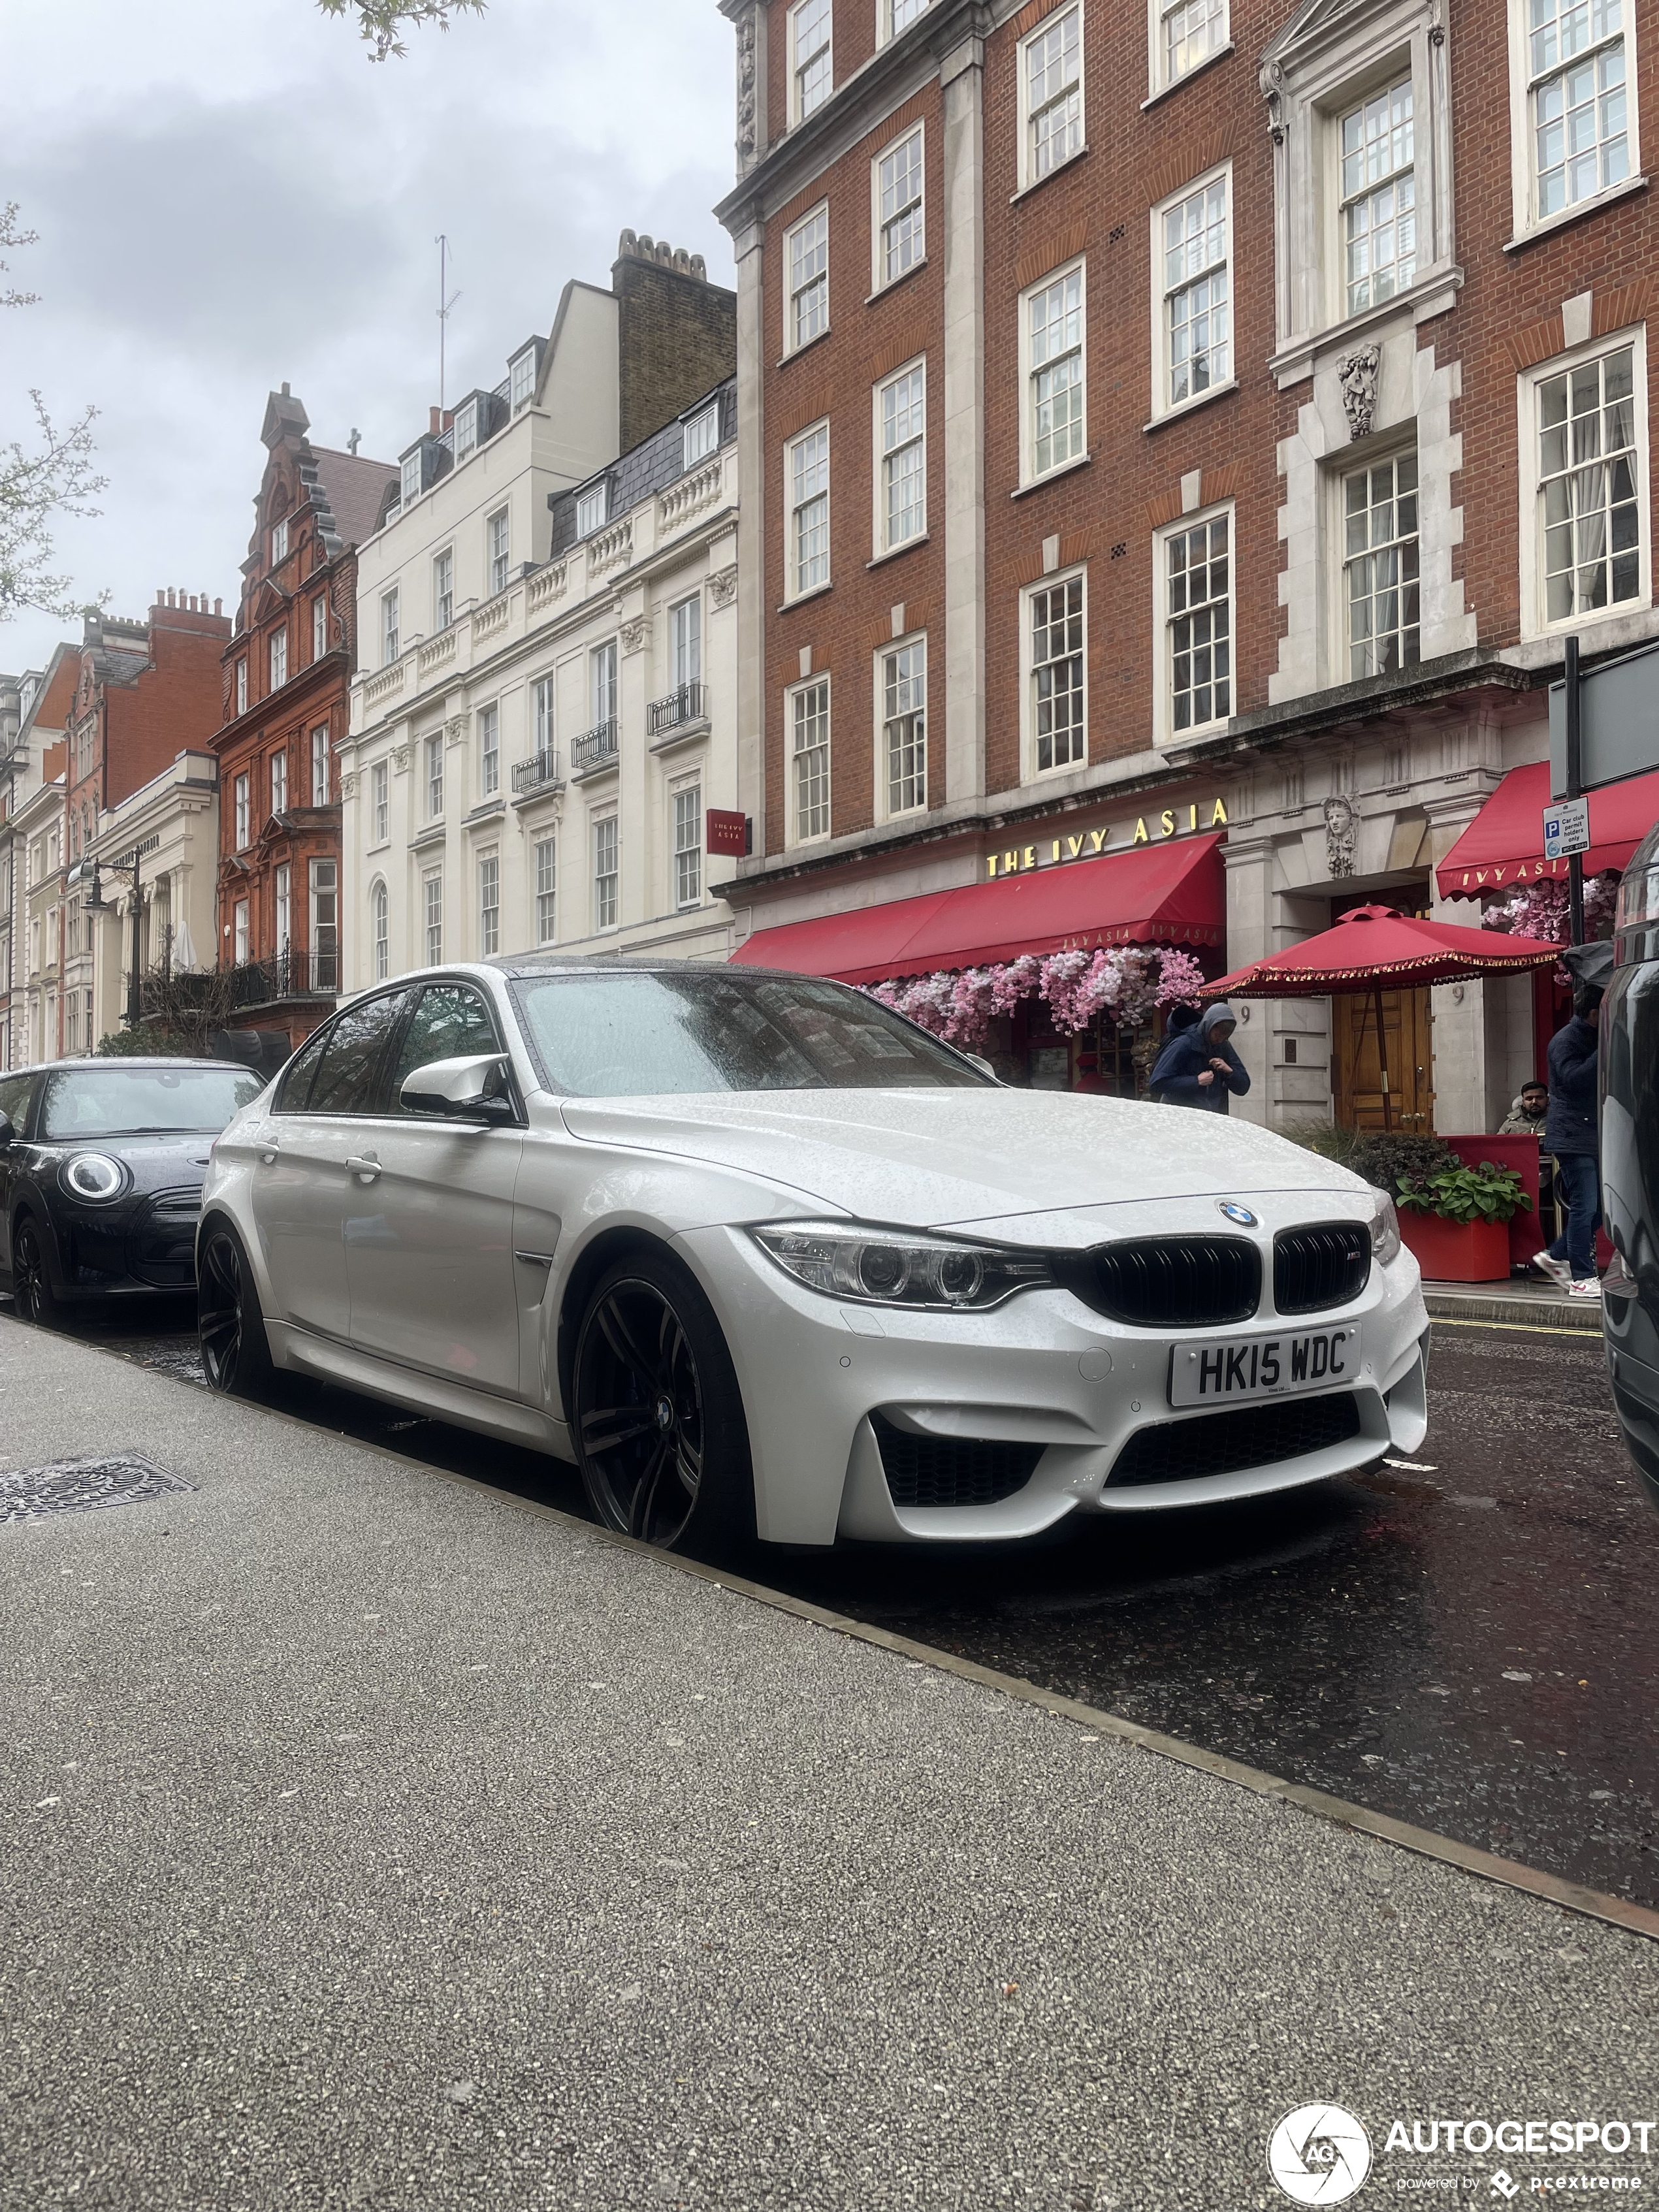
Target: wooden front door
[(1356, 1075)]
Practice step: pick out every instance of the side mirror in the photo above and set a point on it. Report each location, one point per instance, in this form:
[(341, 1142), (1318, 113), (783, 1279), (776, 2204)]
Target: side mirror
[(8, 1133), (983, 1064), (470, 1090)]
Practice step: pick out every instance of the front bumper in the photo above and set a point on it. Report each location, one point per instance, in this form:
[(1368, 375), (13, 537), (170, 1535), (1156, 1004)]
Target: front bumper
[(822, 1383), (143, 1246)]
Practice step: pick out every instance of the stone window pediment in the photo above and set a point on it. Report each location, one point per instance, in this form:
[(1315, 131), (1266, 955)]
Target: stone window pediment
[(1358, 107)]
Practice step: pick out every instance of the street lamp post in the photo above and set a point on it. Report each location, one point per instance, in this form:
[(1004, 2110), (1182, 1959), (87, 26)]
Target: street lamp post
[(99, 904)]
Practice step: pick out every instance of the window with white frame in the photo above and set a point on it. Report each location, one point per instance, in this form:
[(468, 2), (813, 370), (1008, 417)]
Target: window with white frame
[(466, 430), (489, 750), (903, 708), (320, 765), (902, 444), (389, 626), (1187, 32), (1196, 589), (318, 627), (1054, 635), (1379, 196), (432, 912), (806, 249), (591, 510), (701, 435), (809, 755), (1194, 240), (1051, 341), (1379, 567), (896, 16), (379, 933), (806, 491), (408, 484), (279, 657), (325, 917), (900, 240), (244, 811), (522, 379), (489, 904), (1051, 95), (241, 687), (279, 781), (284, 894), (811, 74), (685, 641), (1578, 113), (544, 855), (604, 874), (279, 542), (380, 801), (497, 544), (443, 589), (541, 700), (602, 682), (1591, 485), (239, 933), (434, 776), (687, 844)]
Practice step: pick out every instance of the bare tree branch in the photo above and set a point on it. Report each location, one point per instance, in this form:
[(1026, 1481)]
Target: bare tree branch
[(35, 488), (381, 22), (10, 235)]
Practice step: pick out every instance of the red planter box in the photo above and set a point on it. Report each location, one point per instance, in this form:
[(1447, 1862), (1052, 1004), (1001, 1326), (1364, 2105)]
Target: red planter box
[(1456, 1251)]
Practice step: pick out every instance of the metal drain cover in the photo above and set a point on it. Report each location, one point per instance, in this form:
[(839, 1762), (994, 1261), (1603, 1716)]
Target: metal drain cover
[(82, 1485)]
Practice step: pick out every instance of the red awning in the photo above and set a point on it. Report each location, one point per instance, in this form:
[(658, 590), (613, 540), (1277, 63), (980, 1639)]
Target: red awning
[(1504, 844), (1172, 894)]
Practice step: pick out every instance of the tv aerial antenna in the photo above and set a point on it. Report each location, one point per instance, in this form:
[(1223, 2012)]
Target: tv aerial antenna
[(447, 300)]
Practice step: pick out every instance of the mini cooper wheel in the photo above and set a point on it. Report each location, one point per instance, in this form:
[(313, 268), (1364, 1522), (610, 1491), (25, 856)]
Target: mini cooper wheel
[(31, 1284), (231, 1329), (657, 1415)]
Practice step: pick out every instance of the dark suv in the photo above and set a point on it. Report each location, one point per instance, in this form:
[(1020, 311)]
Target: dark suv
[(1630, 1160), (101, 1163)]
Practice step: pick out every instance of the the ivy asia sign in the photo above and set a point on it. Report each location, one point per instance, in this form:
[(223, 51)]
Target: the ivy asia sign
[(1172, 822)]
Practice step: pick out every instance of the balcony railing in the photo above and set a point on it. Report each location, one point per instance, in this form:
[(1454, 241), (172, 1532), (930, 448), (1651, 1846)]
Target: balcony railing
[(539, 773), (688, 704), (290, 975), (597, 749)]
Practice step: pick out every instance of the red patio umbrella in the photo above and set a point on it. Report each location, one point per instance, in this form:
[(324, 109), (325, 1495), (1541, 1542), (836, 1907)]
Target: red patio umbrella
[(1373, 948)]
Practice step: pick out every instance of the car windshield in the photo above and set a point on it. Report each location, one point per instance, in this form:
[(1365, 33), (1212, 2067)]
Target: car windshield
[(133, 1102), (630, 1036)]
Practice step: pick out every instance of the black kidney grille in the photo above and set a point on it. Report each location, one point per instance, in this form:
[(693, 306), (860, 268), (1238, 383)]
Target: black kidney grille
[(950, 1470), (1315, 1268), (1178, 1282), (1227, 1444)]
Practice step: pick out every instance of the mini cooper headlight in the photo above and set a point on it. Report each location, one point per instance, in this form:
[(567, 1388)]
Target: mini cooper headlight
[(892, 1267), (1385, 1229), (92, 1178)]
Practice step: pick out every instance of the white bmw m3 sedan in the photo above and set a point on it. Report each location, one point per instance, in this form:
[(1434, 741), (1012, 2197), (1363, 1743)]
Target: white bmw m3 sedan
[(764, 1259)]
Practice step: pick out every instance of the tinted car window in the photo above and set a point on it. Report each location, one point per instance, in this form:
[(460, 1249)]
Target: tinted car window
[(15, 1099), (295, 1090), (451, 1022), (627, 1037), (125, 1102), (345, 1082)]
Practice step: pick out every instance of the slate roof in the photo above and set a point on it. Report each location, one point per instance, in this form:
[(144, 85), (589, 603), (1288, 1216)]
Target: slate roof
[(650, 467), (350, 491)]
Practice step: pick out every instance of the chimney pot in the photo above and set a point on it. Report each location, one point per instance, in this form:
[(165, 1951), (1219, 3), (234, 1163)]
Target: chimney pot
[(437, 423), (287, 394), (218, 606)]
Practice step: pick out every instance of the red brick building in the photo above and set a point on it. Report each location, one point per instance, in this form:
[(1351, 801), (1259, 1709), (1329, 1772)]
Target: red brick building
[(283, 706), (1201, 420)]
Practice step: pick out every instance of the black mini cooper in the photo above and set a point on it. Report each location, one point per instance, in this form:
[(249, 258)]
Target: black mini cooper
[(101, 1163)]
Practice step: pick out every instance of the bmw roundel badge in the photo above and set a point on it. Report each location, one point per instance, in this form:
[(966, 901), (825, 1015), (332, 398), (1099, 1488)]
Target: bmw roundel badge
[(1241, 1214)]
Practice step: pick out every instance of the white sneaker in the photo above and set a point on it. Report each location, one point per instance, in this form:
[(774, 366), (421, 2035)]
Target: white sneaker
[(1586, 1287), (1558, 1271)]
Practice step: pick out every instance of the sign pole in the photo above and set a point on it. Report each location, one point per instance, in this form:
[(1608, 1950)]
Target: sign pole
[(1575, 735)]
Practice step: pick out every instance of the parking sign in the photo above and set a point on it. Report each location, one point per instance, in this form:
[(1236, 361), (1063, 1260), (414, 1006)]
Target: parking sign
[(1566, 829)]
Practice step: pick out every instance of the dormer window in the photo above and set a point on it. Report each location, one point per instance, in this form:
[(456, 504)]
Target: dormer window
[(410, 487), (466, 430), (702, 435), (279, 542), (521, 372), (591, 507)]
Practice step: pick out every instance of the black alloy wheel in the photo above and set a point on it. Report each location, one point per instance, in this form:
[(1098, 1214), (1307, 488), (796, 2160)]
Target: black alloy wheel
[(31, 1285), (657, 1416), (231, 1329)]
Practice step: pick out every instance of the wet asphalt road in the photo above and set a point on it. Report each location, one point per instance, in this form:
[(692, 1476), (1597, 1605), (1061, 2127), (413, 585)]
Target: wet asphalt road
[(1465, 1642)]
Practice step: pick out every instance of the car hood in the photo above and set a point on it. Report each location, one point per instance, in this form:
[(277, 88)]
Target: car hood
[(154, 1163), (927, 1158)]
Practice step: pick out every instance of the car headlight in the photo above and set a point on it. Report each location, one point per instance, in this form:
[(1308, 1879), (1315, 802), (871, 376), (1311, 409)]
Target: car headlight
[(893, 1268), (92, 1178), (1385, 1229)]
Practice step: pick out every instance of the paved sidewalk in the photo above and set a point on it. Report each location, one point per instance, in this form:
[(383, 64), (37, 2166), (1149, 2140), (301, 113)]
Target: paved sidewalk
[(371, 1840), (1522, 1300)]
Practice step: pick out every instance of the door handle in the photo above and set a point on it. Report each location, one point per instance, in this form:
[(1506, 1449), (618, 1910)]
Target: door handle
[(365, 1169)]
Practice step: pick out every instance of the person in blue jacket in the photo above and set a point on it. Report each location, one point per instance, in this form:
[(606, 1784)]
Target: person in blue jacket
[(1570, 1132), (1198, 1066)]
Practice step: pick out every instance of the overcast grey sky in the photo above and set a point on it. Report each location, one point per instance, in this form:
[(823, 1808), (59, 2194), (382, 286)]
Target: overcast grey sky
[(228, 193)]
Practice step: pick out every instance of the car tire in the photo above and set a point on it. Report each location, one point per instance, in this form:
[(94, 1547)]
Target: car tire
[(31, 1292), (230, 1326), (656, 1414)]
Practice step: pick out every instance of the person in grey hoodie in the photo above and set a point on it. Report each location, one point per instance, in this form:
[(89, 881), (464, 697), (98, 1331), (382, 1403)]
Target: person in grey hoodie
[(1198, 1067)]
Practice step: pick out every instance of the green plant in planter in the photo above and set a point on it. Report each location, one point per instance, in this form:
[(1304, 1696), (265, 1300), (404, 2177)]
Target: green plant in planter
[(1380, 1155), (1464, 1194)]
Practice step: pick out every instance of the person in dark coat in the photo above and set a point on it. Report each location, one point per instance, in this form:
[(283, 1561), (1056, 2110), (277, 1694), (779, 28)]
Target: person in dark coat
[(1198, 1066), (1571, 1135)]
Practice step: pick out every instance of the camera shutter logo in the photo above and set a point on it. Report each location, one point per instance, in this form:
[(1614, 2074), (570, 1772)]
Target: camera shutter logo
[(1319, 2155)]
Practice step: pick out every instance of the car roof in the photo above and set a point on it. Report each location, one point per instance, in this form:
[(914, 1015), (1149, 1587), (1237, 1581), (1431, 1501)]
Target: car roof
[(127, 1060)]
